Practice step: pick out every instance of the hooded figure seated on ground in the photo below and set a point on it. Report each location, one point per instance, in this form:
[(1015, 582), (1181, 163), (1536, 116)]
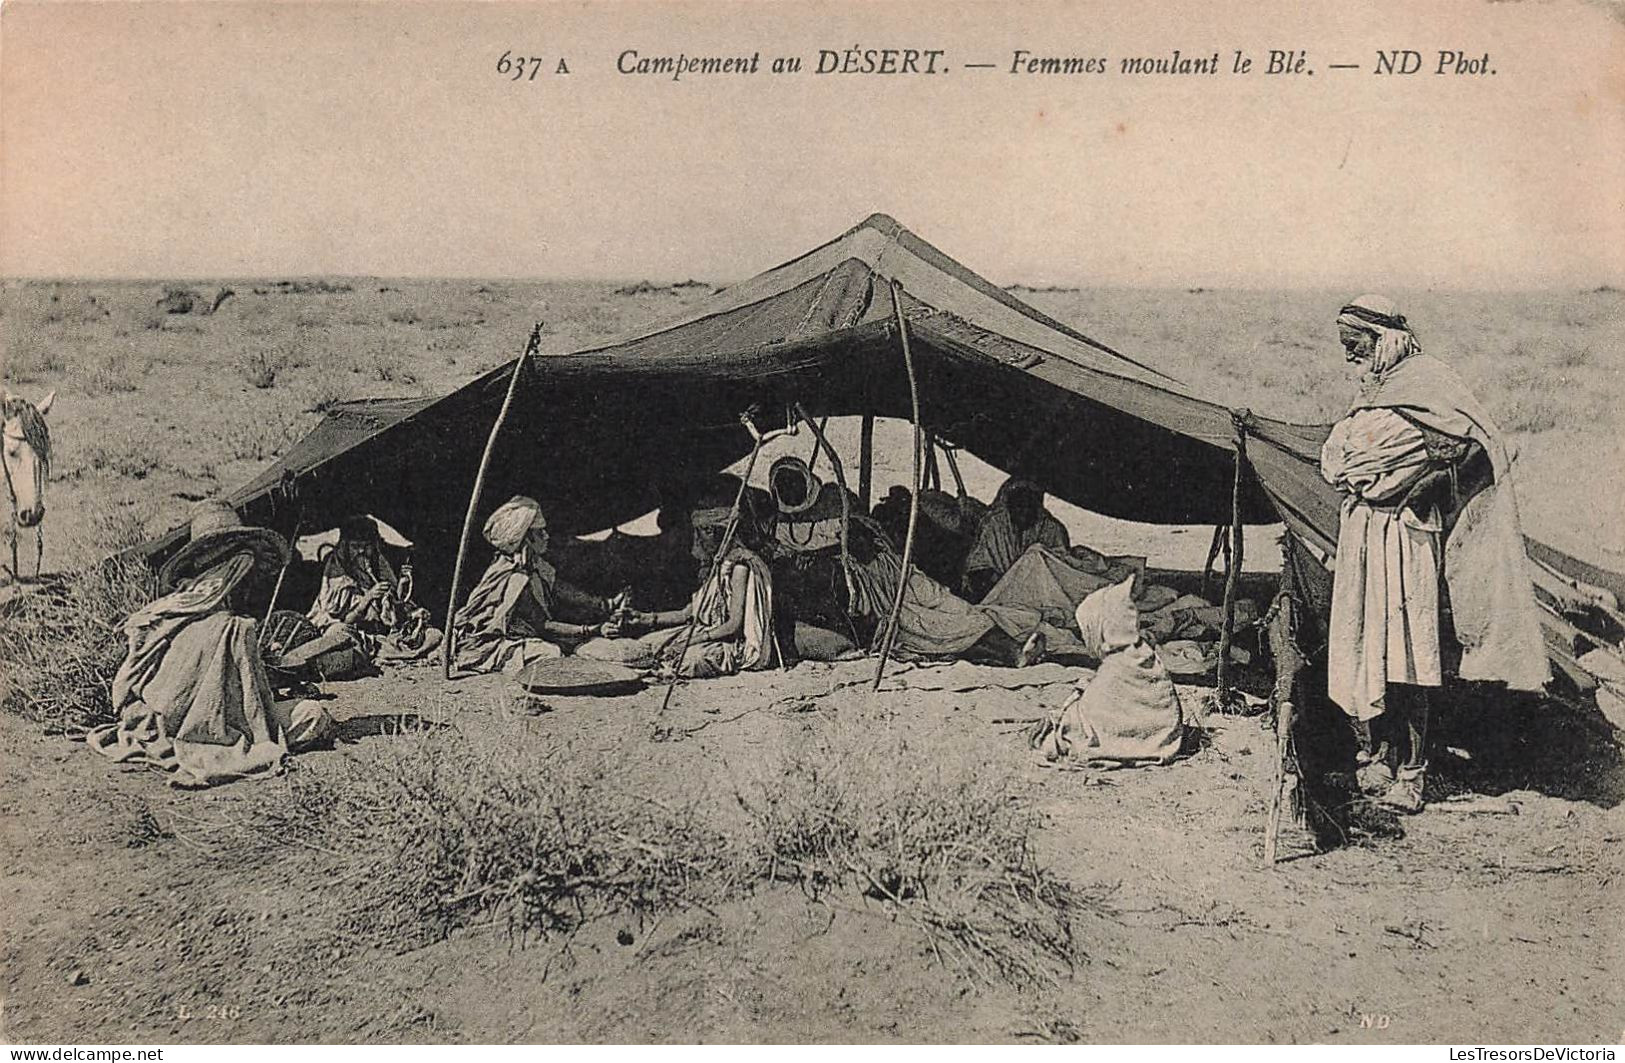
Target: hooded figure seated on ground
[(363, 609), (1016, 521), (192, 694), (1129, 712), (511, 617), (731, 613)]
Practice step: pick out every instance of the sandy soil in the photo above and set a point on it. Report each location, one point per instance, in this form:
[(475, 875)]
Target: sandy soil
[(135, 913)]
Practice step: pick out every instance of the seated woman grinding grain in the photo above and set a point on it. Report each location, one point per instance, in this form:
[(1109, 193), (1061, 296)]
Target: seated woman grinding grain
[(363, 608), (509, 619), (732, 613)]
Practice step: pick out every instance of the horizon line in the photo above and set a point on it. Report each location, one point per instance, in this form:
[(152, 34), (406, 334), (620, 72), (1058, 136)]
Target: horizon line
[(1601, 286)]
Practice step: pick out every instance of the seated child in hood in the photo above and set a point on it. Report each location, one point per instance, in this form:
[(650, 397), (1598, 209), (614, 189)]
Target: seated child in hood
[(1129, 712)]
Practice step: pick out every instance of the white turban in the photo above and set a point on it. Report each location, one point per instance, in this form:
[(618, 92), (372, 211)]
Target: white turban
[(1380, 317), (507, 527)]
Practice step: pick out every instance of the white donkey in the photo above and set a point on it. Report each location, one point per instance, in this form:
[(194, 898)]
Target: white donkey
[(27, 461)]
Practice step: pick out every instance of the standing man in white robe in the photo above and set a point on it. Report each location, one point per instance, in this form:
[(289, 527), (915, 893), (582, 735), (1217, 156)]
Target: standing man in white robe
[(1430, 557)]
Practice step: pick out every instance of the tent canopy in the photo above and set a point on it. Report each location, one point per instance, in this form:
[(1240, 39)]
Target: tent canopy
[(597, 435)]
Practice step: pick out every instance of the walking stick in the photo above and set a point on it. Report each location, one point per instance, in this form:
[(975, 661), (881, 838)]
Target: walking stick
[(449, 642), (914, 496)]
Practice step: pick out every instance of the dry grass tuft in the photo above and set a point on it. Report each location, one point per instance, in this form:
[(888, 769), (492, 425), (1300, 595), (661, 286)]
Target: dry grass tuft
[(31, 362), (453, 830), (122, 457), (939, 837), (464, 830), (61, 644), (114, 374), (1529, 401), (260, 367)]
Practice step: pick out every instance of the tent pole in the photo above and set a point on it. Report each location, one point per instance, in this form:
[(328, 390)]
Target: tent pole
[(914, 495), (448, 644), (933, 472), (953, 467), (1232, 576), (846, 500), (866, 461), (1219, 531), (818, 432), (716, 562), (1288, 799)]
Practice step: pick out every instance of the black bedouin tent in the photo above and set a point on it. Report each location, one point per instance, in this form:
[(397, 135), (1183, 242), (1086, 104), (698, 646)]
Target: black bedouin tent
[(595, 434)]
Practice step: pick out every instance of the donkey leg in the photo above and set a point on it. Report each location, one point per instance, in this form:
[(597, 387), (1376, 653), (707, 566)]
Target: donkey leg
[(39, 550)]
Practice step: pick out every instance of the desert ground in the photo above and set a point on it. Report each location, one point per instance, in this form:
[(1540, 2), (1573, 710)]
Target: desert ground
[(786, 856)]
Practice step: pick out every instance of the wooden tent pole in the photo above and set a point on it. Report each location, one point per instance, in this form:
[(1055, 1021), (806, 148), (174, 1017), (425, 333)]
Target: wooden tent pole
[(846, 499), (818, 433), (953, 467), (1288, 801), (866, 461), (1232, 574), (716, 562), (914, 496), (1219, 531), (448, 644)]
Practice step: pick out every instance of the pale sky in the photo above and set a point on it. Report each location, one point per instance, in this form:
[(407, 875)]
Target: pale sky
[(251, 139)]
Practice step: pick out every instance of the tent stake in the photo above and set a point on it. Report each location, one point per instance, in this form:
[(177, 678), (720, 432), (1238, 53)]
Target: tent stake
[(914, 496), (1225, 693), (448, 644), (866, 460)]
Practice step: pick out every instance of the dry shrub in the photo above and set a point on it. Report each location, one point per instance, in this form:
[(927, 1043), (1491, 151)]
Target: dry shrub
[(260, 367), (462, 829), (258, 439), (451, 830), (937, 834), (61, 643), (122, 457), (114, 374), (388, 369), (31, 362), (1529, 402), (1572, 354), (326, 390)]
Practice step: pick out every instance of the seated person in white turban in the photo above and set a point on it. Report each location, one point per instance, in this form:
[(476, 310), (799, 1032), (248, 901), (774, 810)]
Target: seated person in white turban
[(732, 612), (192, 696), (1128, 712), (511, 617)]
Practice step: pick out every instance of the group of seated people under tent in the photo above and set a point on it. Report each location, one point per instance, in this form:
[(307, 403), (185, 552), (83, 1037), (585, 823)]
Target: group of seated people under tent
[(1429, 580), (805, 572), (739, 579)]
